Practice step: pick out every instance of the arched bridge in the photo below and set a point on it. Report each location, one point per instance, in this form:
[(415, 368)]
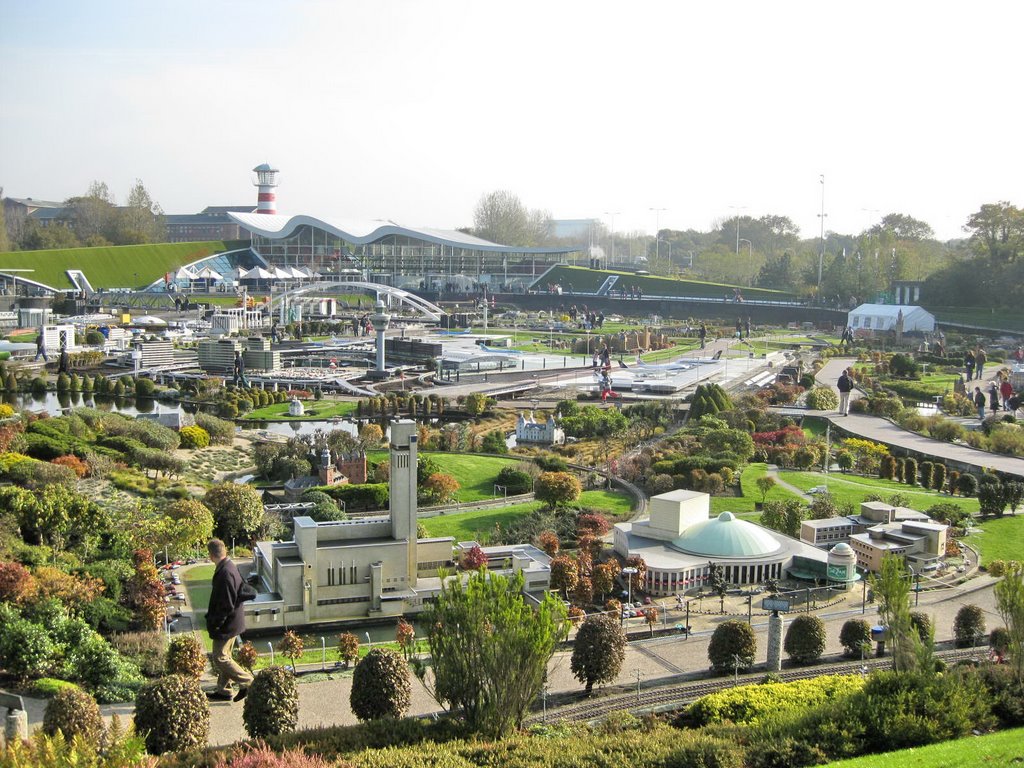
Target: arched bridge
[(428, 310)]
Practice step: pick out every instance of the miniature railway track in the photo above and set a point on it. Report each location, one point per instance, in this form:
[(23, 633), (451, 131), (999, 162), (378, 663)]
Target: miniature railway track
[(617, 699)]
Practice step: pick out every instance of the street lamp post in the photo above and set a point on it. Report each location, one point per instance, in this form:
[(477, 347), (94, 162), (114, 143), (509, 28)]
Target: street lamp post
[(657, 231), (613, 214), (738, 208), (629, 573), (821, 247), (750, 254)]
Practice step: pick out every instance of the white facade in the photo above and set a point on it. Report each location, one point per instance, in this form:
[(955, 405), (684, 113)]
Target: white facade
[(529, 430), (886, 317)]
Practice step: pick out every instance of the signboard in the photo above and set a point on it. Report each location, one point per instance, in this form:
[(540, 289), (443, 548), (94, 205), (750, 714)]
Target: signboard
[(837, 572), (774, 604)]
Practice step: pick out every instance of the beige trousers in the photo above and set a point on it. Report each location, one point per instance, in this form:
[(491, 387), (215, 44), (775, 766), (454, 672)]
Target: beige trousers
[(226, 667)]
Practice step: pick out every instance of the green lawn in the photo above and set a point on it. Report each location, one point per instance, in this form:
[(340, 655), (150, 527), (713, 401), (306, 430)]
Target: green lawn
[(854, 488), (476, 474), (1000, 538), (196, 581), (1003, 748), (744, 505), (112, 266), (985, 317), (315, 410), (467, 526), (924, 389), (590, 280)]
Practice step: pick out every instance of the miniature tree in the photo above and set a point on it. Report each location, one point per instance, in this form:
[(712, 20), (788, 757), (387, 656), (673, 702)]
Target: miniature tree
[(599, 651), (855, 637), (733, 646), (74, 713), (764, 485), (564, 574), (172, 714), (272, 705), (805, 639), (348, 648), (405, 636), (474, 559), (969, 625), (548, 543), (247, 656), (651, 614), (186, 656), (380, 686), (291, 647)]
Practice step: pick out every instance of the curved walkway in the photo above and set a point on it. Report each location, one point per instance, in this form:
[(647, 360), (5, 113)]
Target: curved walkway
[(882, 430)]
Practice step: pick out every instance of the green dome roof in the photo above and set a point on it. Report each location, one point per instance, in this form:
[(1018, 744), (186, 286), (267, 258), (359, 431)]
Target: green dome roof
[(726, 536)]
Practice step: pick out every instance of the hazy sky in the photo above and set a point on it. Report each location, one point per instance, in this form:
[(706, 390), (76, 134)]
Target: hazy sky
[(412, 110)]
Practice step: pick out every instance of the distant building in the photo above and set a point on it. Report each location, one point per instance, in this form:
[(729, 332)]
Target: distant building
[(888, 317), (578, 230), (529, 430), (44, 212), (373, 566), (878, 530), (211, 223)]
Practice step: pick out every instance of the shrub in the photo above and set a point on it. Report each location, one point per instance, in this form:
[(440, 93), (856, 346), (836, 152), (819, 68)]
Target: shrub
[(272, 705), (969, 625), (73, 712), (380, 686), (922, 624), (144, 387), (805, 639), (172, 715), (247, 655), (186, 656), (148, 650), (822, 399), (262, 756), (26, 650), (221, 432), (854, 635), (515, 480), (996, 568), (348, 648), (887, 467), (75, 464), (999, 640), (967, 484), (732, 642), (194, 437)]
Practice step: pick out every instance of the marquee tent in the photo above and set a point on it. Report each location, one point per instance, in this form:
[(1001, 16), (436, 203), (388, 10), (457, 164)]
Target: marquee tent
[(886, 317)]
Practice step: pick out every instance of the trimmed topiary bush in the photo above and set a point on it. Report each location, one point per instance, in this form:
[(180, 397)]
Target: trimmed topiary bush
[(272, 705), (805, 639), (732, 639), (969, 625), (599, 650), (380, 686), (194, 437), (822, 399), (73, 712), (172, 715), (186, 656), (854, 635), (922, 623)]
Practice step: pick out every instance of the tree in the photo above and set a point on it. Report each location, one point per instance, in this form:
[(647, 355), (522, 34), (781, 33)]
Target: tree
[(892, 590), (186, 656), (1013, 494), (247, 655), (990, 499), (564, 574), (718, 584), (997, 232), (651, 615), (1009, 593), (598, 651), (494, 442), (474, 559), (548, 543), (855, 637), (74, 592), (783, 516), (191, 524), (441, 487), (237, 510), (405, 636), (141, 220), (380, 686), (490, 649), (556, 488), (291, 646), (17, 585), (144, 592), (348, 648), (603, 579), (502, 218), (969, 625), (733, 646), (371, 435), (27, 650), (805, 639), (903, 227), (478, 403), (764, 485)]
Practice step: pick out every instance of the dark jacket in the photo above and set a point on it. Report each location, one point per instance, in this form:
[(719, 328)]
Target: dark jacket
[(845, 383), (225, 617)]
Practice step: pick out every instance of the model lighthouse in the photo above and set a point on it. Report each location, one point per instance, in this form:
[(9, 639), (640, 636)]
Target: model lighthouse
[(266, 182)]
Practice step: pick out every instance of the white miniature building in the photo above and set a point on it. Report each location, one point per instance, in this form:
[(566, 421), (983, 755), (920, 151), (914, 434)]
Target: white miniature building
[(529, 430), (295, 407), (372, 566)]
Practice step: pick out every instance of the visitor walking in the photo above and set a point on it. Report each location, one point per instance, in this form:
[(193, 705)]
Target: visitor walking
[(980, 358), (979, 402), (702, 334), (41, 346), (1006, 392), (969, 364), (845, 386), (225, 621), (238, 370), (64, 361), (993, 398)]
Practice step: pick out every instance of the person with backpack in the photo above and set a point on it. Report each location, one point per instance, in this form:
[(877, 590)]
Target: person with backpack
[(969, 364), (845, 386)]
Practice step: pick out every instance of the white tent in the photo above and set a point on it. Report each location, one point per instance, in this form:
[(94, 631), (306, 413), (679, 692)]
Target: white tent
[(257, 273), (184, 273), (148, 320), (886, 317), (207, 273), (283, 274)]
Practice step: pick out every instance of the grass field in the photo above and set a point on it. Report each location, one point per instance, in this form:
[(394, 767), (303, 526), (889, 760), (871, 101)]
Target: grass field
[(744, 505), (476, 474), (985, 317), (113, 266), (196, 581), (854, 488), (467, 526), (1000, 538), (590, 280), (1003, 748), (315, 410)]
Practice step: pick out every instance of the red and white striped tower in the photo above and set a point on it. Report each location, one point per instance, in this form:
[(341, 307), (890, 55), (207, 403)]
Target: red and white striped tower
[(266, 181)]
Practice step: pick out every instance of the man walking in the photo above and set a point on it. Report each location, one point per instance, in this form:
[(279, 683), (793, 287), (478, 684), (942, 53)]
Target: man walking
[(41, 346), (980, 358), (703, 334), (979, 403), (845, 386), (225, 621), (239, 370)]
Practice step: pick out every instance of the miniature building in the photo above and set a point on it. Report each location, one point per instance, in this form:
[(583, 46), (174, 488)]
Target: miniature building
[(529, 430), (827, 532), (680, 541), (373, 566)]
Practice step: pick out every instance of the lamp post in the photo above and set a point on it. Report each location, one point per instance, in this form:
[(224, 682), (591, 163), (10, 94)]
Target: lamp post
[(657, 231), (611, 231), (821, 247), (738, 208), (750, 255), (669, 244), (629, 573)]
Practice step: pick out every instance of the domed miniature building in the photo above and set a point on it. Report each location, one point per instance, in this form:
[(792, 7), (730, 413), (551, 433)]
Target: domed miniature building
[(726, 536)]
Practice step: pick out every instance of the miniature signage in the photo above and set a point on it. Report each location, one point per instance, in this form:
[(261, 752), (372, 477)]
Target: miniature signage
[(774, 604)]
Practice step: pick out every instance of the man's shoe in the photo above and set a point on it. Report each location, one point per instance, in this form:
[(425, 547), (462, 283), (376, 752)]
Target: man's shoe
[(242, 693), (220, 695)]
